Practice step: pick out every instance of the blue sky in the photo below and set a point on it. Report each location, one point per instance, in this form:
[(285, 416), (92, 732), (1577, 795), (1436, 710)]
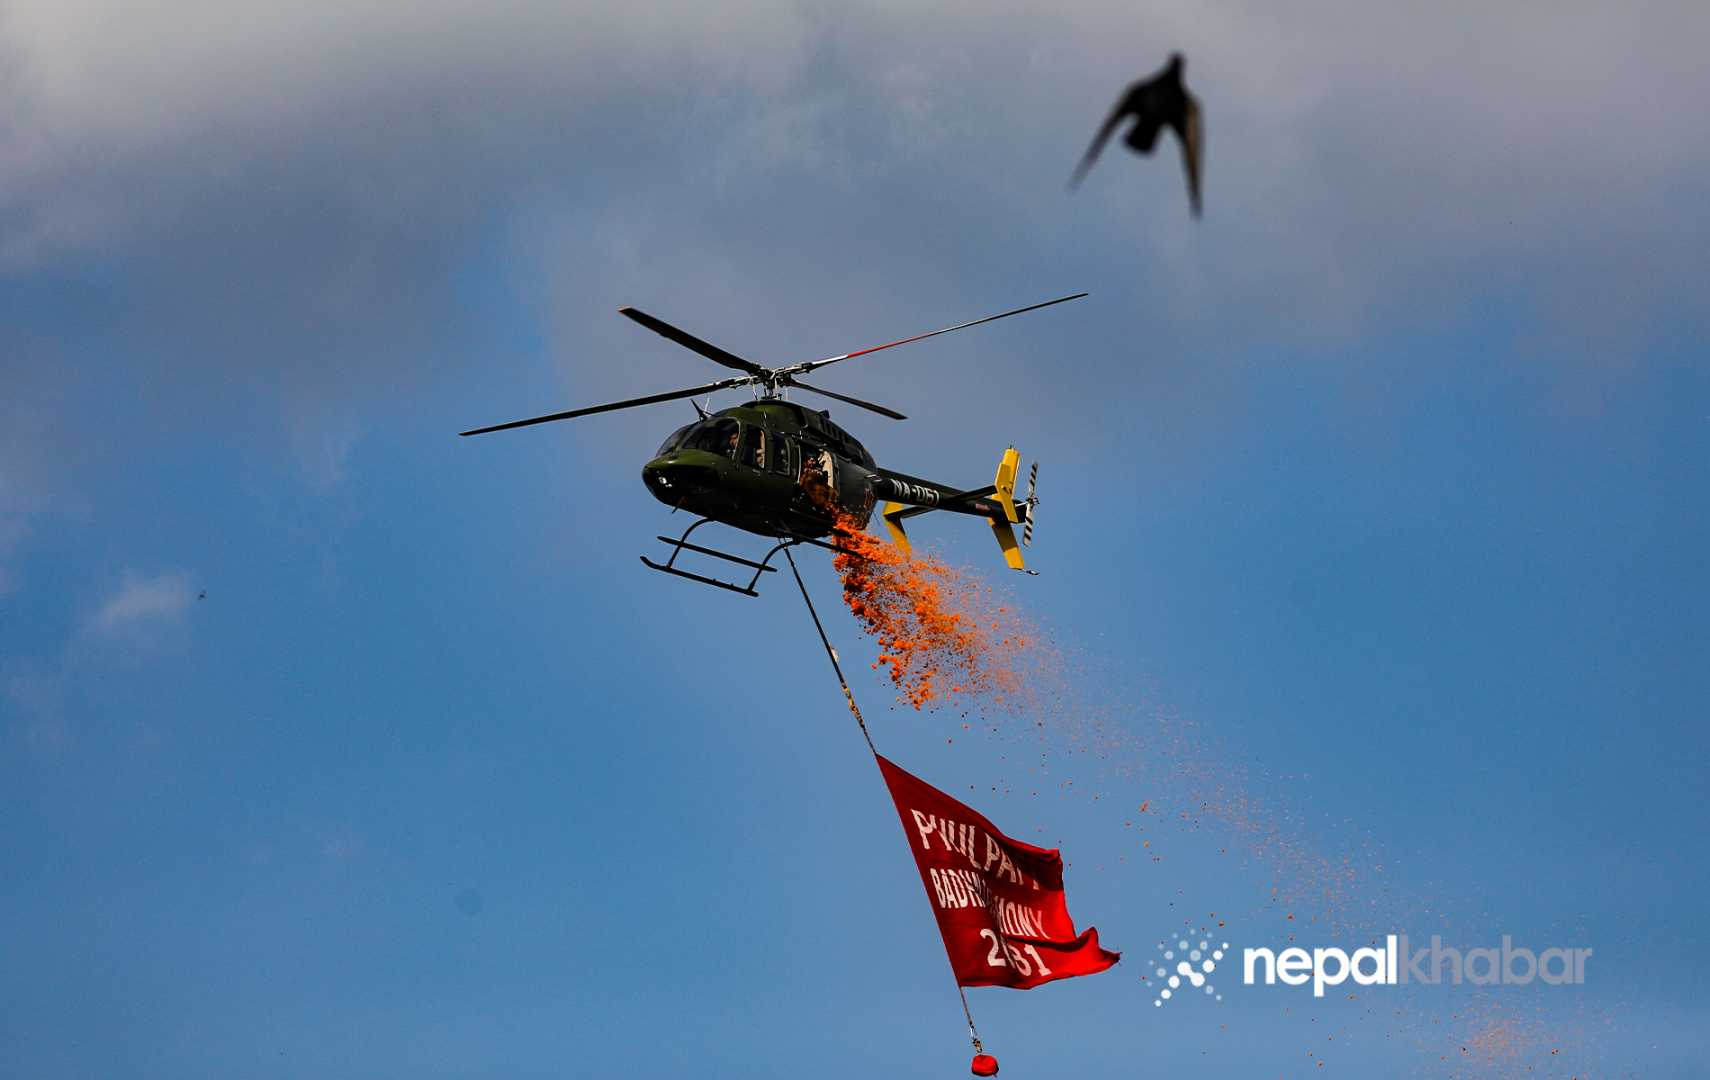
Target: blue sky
[(1375, 506)]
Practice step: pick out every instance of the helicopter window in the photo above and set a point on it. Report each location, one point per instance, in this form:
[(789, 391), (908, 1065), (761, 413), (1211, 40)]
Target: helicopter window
[(783, 454), (674, 441), (753, 451), (714, 436)]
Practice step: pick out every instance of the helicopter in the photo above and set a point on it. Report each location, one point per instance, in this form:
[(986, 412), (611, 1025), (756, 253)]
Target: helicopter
[(777, 469)]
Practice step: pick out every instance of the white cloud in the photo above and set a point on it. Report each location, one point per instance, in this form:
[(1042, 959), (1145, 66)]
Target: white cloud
[(124, 628), (106, 142), (144, 600), (1322, 114)]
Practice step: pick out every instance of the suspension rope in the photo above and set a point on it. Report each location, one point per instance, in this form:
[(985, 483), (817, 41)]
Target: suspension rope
[(855, 710), (832, 654), (972, 1034)]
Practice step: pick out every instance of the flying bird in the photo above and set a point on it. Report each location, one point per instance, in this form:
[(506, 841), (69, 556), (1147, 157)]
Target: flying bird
[(1154, 104)]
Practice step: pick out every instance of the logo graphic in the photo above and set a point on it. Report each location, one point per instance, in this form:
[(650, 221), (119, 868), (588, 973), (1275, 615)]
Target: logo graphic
[(1192, 964)]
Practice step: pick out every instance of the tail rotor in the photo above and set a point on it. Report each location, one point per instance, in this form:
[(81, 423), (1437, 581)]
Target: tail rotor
[(1031, 502)]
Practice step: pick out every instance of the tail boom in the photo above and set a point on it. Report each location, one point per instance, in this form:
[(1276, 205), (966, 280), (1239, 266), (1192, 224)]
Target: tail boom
[(905, 496)]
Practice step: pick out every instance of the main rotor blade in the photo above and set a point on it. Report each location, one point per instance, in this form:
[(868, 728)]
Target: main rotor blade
[(799, 369), (690, 341), (880, 409), (693, 391)]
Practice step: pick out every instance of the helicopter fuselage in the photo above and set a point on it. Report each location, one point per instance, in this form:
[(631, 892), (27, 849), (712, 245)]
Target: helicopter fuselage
[(771, 467)]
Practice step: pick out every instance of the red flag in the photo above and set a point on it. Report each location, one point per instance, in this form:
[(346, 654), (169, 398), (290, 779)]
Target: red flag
[(999, 902)]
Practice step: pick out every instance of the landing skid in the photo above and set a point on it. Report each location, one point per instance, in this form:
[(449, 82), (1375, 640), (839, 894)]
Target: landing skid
[(764, 566)]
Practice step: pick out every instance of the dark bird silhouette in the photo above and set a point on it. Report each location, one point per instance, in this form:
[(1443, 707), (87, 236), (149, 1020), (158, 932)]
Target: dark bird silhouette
[(1154, 104), (203, 595)]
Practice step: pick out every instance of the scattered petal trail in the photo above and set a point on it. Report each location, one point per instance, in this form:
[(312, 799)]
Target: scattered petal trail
[(943, 636)]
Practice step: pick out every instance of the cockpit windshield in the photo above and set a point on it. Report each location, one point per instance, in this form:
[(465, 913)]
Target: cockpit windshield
[(674, 441), (714, 436)]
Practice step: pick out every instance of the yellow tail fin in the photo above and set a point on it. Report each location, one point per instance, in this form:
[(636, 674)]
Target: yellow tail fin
[(1007, 468), (895, 528)]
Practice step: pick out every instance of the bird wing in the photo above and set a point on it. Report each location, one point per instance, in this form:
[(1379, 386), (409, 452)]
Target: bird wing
[(1192, 135), (1124, 106)]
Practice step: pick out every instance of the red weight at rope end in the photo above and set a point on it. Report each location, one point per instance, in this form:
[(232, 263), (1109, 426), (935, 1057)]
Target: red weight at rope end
[(983, 1065)]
